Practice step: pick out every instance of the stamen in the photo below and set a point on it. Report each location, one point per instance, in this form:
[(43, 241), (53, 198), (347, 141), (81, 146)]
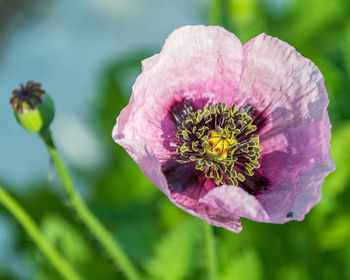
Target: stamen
[(221, 142)]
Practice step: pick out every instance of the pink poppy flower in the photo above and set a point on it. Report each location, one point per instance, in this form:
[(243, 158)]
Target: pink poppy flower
[(227, 130)]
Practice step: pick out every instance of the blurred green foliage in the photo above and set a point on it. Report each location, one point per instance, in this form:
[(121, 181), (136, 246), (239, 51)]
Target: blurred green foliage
[(165, 242)]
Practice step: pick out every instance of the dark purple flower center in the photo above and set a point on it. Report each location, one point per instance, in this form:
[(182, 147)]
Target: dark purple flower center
[(28, 96), (220, 141)]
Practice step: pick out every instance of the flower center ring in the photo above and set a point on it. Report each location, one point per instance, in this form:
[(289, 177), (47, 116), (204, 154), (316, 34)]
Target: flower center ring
[(222, 143)]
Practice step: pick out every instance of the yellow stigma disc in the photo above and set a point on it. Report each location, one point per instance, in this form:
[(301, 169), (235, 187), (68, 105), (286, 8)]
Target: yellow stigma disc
[(219, 146)]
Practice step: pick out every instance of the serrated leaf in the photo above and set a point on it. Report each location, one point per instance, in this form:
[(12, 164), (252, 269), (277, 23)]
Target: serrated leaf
[(173, 254)]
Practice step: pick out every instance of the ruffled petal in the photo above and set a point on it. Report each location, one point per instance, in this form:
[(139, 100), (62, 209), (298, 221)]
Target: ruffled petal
[(288, 87), (151, 167), (197, 63), (207, 65), (297, 171), (296, 139), (141, 153), (206, 210), (236, 202), (198, 59)]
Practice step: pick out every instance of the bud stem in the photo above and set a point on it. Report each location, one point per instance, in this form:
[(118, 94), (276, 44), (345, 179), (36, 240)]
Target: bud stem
[(93, 224), (33, 231)]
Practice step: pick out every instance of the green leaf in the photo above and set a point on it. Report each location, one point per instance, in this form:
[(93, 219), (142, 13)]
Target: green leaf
[(114, 180), (340, 150), (293, 272), (337, 182), (173, 255), (114, 88), (68, 240), (336, 235), (246, 266), (307, 26), (345, 48)]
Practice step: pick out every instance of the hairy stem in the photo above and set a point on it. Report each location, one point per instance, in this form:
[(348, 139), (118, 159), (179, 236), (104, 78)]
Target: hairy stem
[(33, 231), (210, 251), (101, 234)]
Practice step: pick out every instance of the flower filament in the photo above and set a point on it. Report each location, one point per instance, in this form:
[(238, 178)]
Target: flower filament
[(221, 143)]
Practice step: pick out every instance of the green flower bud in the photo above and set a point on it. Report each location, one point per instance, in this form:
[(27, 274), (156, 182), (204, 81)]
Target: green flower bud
[(33, 107)]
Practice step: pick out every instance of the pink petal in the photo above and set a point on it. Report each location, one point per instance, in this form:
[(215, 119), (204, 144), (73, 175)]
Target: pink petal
[(196, 63), (296, 141), (213, 215), (198, 59), (297, 171), (283, 83), (235, 201), (207, 65), (141, 153)]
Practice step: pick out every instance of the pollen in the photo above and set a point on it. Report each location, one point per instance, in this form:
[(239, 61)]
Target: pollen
[(220, 141)]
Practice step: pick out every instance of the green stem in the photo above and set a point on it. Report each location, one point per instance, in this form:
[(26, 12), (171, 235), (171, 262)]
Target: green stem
[(93, 224), (218, 10), (215, 12), (32, 230), (210, 251)]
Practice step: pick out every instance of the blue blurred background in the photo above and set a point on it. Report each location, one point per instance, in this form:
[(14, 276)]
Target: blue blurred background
[(87, 55)]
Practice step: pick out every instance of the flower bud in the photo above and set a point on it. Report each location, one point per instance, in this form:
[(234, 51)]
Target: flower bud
[(33, 107)]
